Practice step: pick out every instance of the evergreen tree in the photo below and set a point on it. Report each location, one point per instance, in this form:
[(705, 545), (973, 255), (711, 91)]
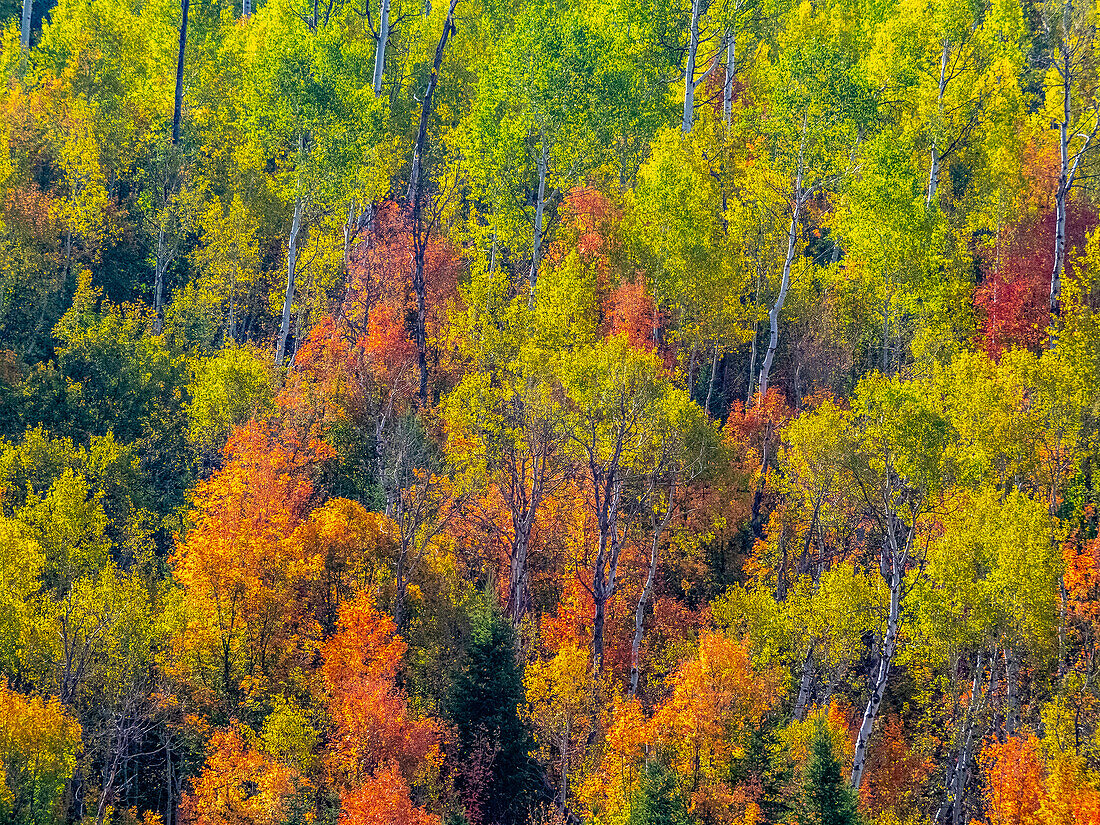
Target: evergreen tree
[(495, 777), (827, 798), (658, 800)]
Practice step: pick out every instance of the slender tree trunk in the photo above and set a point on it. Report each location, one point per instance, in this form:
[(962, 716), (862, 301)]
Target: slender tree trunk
[(25, 29), (785, 283), (606, 567), (564, 772), (420, 333), (885, 336), (177, 109), (934, 170), (689, 70), (755, 335), (160, 274), (897, 559), (647, 592), (712, 381), (523, 520), (380, 46), (806, 684), (1012, 699), (291, 271), (957, 774), (246, 9), (540, 202), (415, 199), (727, 87), (1065, 181)]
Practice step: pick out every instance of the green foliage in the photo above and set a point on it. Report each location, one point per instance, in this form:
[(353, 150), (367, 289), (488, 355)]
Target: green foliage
[(227, 389), (658, 799), (826, 797), (497, 778)]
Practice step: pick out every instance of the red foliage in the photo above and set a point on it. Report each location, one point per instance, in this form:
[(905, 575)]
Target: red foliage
[(1015, 295), (895, 773), (629, 310), (375, 732), (589, 219), (383, 799), (380, 272)]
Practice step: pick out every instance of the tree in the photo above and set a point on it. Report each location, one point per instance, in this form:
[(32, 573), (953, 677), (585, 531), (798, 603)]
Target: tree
[(827, 798), (821, 105), (1074, 109), (562, 696), (39, 747), (902, 464), (619, 407), (379, 746), (495, 774)]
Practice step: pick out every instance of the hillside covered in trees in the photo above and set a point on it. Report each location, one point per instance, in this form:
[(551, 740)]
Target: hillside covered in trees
[(516, 412)]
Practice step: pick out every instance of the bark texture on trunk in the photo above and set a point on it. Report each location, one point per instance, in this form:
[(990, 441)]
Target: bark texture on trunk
[(415, 198), (934, 168), (380, 47), (784, 284), (540, 204), (727, 87), (177, 109), (895, 556), (25, 28), (689, 70), (291, 273), (647, 591)]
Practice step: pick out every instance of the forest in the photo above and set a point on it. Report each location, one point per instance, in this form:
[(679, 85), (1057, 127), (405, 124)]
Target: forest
[(549, 412)]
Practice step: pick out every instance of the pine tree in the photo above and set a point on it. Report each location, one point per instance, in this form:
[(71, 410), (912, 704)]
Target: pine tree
[(496, 778), (827, 798), (658, 800)]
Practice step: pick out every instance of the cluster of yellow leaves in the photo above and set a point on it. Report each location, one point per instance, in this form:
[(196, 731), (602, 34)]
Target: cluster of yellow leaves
[(717, 698), (39, 746), (1029, 784)]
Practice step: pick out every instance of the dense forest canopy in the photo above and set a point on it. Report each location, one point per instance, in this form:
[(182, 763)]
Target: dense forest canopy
[(514, 412)]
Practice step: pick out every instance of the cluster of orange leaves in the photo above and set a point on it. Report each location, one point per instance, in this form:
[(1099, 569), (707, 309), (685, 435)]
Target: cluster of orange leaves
[(716, 699), (1025, 786)]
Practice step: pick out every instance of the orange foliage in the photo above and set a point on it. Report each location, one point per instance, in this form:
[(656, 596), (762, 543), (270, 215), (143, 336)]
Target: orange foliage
[(239, 785), (716, 697), (589, 219), (1069, 798), (629, 310), (245, 578), (895, 774), (1025, 788), (374, 729), (380, 276), (383, 799)]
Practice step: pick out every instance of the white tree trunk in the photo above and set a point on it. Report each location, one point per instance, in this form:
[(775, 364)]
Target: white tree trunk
[(1064, 183), (689, 70), (934, 170), (647, 592), (784, 284), (25, 30), (380, 48), (540, 205), (727, 88), (806, 683), (291, 266), (897, 558)]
